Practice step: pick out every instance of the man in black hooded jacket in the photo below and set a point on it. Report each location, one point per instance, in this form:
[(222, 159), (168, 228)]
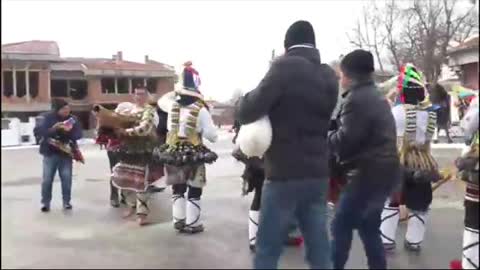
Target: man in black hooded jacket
[(298, 94)]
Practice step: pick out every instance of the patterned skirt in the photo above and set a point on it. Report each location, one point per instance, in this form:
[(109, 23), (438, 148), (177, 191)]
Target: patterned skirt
[(136, 169)]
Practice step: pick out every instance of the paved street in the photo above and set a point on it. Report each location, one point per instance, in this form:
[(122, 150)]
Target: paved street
[(95, 235)]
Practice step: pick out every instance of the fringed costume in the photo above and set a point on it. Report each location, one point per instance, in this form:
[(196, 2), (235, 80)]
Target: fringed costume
[(415, 128), (184, 153)]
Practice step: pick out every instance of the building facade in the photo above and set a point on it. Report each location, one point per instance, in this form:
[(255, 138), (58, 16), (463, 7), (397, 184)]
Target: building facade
[(33, 73), (464, 61)]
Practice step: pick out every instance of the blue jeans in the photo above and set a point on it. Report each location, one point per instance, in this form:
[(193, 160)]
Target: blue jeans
[(51, 164), (360, 207), (283, 202)]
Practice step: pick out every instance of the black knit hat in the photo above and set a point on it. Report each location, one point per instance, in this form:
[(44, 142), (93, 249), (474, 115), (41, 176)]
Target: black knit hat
[(58, 104), (300, 32), (358, 62)]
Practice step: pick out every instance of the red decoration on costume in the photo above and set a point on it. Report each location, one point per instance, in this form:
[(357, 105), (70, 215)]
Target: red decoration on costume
[(456, 264), (191, 69)]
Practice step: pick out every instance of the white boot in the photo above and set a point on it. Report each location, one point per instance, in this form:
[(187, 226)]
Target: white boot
[(470, 249), (252, 228), (194, 221), (415, 230), (178, 211), (388, 228)]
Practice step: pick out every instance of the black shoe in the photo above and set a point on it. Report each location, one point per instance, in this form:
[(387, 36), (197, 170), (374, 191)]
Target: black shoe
[(67, 206), (45, 209), (252, 248), (179, 225), (193, 230)]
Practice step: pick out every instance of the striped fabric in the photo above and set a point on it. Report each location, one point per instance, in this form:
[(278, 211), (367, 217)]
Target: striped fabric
[(413, 156), (191, 124)]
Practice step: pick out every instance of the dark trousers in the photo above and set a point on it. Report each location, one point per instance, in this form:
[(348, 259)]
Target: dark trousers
[(360, 207)]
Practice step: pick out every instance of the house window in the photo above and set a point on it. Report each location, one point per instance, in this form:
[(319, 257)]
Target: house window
[(33, 83), (7, 83), (137, 82), (59, 88), (108, 85), (152, 85), (78, 89), (21, 84), (122, 86)]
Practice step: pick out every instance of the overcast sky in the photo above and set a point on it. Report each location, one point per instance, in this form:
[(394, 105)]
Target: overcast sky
[(229, 42)]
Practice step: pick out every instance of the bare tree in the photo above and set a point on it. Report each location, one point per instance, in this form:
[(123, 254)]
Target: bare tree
[(368, 33), (420, 33)]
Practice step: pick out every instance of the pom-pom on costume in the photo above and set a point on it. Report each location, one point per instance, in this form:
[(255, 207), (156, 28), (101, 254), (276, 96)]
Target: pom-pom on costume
[(184, 153), (415, 128)]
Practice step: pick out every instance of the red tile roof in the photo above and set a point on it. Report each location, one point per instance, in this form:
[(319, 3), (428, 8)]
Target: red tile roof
[(122, 65), (32, 47), (40, 47)]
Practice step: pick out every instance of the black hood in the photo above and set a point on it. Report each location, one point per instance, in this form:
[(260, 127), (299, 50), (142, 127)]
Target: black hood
[(311, 54)]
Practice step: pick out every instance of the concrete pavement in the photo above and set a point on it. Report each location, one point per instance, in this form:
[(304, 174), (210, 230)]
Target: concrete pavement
[(95, 235)]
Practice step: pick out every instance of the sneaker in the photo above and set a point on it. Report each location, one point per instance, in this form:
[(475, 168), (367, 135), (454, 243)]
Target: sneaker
[(67, 206), (45, 209)]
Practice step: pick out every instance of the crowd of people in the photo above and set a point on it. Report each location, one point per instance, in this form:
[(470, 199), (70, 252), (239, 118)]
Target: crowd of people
[(375, 154)]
